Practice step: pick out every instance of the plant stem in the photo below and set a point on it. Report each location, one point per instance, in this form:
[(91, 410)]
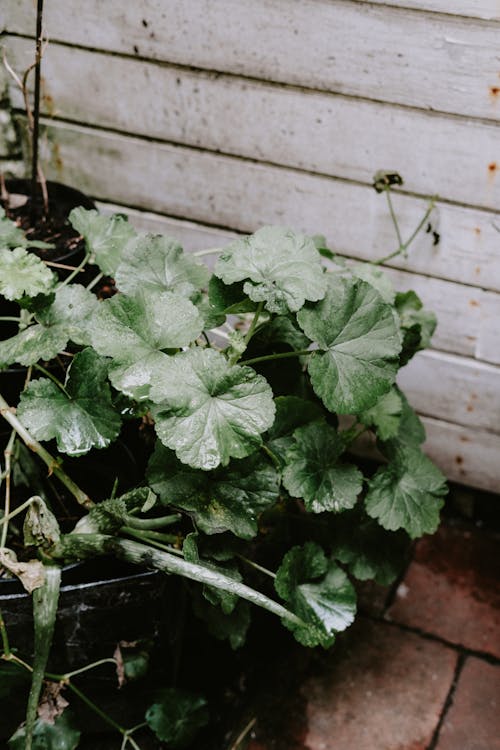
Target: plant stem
[(69, 675), (281, 355), (404, 247), (152, 523), (96, 709), (244, 732), (36, 110), (210, 251), (274, 458), (15, 512), (10, 319), (75, 272), (80, 496), (393, 216), (89, 545), (257, 566), (5, 638), (8, 454), (95, 281), (148, 535), (53, 378), (142, 538)]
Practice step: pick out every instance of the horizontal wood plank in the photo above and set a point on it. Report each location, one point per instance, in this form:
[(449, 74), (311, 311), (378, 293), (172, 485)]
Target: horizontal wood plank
[(437, 154), (452, 388), (487, 9), (225, 191), (419, 59), (467, 318)]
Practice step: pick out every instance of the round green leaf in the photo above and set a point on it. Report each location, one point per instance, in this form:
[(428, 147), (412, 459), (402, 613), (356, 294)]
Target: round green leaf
[(23, 273), (358, 341), (35, 343), (228, 499), (318, 591), (105, 236), (280, 267), (408, 493), (209, 411), (81, 418), (157, 264), (314, 472), (134, 330), (61, 735), (177, 716)]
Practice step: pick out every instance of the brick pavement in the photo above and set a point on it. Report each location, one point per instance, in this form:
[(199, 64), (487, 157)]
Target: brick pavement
[(420, 673)]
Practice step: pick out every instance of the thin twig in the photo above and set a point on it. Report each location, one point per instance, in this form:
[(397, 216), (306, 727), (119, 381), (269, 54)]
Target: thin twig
[(244, 733), (8, 455)]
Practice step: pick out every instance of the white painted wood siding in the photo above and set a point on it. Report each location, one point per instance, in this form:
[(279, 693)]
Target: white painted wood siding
[(210, 117)]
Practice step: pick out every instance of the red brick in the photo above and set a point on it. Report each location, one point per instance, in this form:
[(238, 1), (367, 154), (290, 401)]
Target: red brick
[(452, 589), (473, 721), (381, 689)]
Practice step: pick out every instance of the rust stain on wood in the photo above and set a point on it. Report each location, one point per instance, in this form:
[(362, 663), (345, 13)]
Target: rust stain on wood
[(473, 303)]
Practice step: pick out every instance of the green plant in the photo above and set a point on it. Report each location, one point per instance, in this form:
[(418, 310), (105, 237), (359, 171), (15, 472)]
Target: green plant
[(258, 380)]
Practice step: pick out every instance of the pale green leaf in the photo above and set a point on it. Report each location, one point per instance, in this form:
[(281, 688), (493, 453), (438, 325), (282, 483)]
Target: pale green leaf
[(72, 307), (358, 342), (209, 411), (81, 418), (315, 473), (280, 267), (105, 236), (385, 415), (376, 277), (407, 494), (228, 499), (318, 591), (177, 716), (157, 264), (23, 274), (61, 735), (135, 330), (35, 343), (10, 234)]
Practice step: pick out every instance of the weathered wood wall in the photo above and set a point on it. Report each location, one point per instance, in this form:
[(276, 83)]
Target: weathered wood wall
[(210, 117)]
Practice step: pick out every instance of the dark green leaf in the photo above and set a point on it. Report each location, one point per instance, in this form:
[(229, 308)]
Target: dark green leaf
[(315, 473), (177, 716), (226, 499), (209, 411), (359, 343), (385, 415), (408, 493), (232, 627), (13, 679), (318, 591), (370, 552), (105, 236), (61, 735), (291, 412), (417, 324), (80, 418), (280, 267), (155, 263)]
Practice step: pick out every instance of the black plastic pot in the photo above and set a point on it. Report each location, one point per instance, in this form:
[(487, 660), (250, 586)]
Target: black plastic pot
[(101, 603)]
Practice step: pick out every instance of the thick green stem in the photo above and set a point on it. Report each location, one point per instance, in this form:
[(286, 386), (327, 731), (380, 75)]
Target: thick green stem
[(80, 496), (45, 600), (281, 355), (80, 546), (5, 637), (147, 524), (8, 456)]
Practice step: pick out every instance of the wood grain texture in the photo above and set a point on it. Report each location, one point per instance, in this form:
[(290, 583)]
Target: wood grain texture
[(457, 159), (419, 59), (467, 318), (225, 191)]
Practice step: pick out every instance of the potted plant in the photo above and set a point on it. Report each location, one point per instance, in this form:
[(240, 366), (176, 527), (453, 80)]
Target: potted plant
[(240, 394)]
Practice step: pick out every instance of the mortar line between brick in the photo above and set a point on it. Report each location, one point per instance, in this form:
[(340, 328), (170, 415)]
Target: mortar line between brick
[(448, 701), (462, 650)]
